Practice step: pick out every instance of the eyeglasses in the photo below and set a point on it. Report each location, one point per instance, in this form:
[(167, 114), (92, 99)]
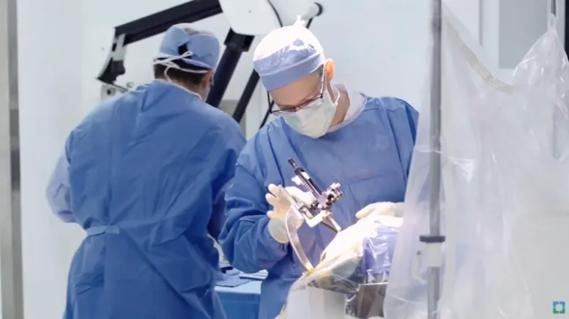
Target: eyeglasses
[(292, 109)]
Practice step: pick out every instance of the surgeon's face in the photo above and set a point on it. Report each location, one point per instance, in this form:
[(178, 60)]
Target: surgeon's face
[(300, 92)]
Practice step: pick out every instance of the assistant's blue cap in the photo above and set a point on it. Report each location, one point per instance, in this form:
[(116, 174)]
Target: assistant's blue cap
[(200, 48), (286, 55)]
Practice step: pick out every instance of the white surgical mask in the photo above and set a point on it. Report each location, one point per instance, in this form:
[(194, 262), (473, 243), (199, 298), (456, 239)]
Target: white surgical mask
[(314, 120)]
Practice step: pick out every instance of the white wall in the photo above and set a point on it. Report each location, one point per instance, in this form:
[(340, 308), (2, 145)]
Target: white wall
[(520, 26), (50, 99), (379, 46), (509, 27)]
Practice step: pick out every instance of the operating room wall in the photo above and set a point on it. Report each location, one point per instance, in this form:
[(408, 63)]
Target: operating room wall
[(509, 27), (50, 95), (379, 47)]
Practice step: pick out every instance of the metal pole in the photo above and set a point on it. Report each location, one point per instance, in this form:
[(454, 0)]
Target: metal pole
[(10, 222), (566, 27), (554, 7), (434, 272), (436, 120)]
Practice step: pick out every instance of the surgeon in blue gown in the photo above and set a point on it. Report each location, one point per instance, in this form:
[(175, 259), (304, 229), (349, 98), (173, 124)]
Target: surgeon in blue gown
[(145, 175), (336, 134)]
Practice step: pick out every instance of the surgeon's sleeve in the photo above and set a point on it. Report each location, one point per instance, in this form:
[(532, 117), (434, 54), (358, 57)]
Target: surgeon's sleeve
[(226, 169), (403, 120), (245, 238), (218, 214), (59, 190)]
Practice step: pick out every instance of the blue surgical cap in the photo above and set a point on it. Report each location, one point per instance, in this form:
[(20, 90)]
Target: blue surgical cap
[(286, 55), (200, 47)]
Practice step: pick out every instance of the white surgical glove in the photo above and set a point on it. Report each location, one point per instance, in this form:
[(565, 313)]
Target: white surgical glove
[(280, 200), (381, 209)]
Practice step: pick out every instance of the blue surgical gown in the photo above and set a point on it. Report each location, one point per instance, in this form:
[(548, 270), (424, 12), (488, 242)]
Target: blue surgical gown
[(147, 174), (370, 157)]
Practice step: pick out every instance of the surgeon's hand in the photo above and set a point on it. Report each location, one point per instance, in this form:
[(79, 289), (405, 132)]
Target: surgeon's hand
[(381, 209), (280, 198)]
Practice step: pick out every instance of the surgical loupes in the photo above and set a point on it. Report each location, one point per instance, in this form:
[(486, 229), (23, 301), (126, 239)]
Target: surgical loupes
[(320, 209)]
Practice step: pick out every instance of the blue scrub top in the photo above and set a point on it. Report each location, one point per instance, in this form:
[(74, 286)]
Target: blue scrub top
[(147, 173), (370, 157)]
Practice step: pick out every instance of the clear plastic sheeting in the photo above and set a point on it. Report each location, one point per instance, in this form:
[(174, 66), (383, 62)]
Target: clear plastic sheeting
[(505, 188), (291, 224), (351, 274), (360, 254)]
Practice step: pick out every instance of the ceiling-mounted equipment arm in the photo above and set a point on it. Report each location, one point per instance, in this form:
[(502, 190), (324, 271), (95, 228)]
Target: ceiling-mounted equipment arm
[(151, 25), (235, 45), (246, 18)]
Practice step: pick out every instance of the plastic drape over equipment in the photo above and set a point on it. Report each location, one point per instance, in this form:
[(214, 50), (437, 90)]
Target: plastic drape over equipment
[(350, 279), (505, 188)]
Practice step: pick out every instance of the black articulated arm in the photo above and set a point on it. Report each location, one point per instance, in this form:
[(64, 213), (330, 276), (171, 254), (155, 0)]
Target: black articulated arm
[(235, 45), (151, 25), (157, 23), (192, 11)]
